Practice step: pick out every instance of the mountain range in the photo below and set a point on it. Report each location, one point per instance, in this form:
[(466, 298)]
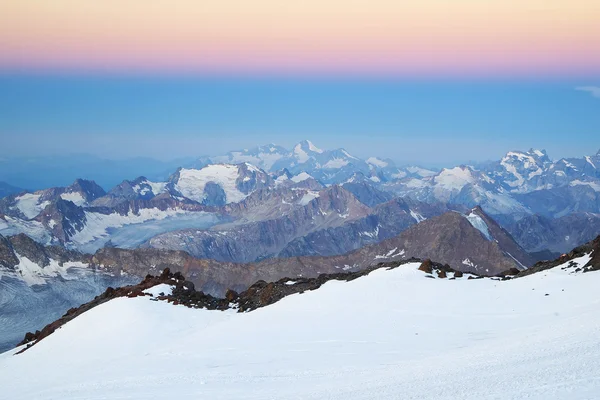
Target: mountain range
[(268, 213), (393, 330)]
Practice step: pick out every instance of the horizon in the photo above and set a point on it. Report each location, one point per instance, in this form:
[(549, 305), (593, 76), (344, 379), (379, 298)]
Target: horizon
[(416, 163), (172, 117), (429, 83)]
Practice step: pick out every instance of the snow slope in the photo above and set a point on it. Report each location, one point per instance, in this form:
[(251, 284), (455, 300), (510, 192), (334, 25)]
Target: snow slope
[(391, 334), (191, 182)]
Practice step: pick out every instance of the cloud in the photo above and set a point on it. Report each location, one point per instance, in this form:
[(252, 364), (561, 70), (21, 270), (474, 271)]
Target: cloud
[(593, 90)]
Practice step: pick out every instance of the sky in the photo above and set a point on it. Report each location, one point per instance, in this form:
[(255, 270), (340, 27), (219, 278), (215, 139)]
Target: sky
[(433, 81)]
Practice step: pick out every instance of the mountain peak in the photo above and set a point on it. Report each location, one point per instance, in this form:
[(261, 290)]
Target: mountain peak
[(539, 153), (307, 145)]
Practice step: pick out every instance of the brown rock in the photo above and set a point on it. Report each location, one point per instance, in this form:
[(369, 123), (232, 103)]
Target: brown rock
[(426, 267)]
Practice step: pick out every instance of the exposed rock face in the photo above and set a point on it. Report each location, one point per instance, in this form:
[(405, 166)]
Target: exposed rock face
[(39, 283), (266, 204), (450, 238), (592, 248), (256, 240), (537, 233), (138, 189), (560, 201), (506, 242), (215, 195), (367, 193), (63, 219), (29, 205), (385, 221), (22, 245), (8, 258)]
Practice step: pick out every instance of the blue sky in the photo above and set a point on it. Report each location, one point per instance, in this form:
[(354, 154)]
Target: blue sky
[(434, 122)]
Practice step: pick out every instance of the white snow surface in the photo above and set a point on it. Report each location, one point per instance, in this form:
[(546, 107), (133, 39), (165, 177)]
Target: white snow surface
[(498, 340), (29, 205), (593, 185), (156, 187), (302, 176), (34, 274), (314, 148), (263, 160), (163, 288), (418, 217), (422, 172), (377, 162), (75, 197), (454, 178), (335, 163), (308, 197), (300, 154), (191, 182), (479, 224), (97, 225)]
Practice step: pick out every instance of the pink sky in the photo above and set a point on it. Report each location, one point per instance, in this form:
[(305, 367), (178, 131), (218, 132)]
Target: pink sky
[(429, 37)]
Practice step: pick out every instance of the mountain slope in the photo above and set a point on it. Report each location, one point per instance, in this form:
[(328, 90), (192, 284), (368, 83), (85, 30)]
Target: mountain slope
[(39, 283), (390, 334), (451, 238), (331, 207)]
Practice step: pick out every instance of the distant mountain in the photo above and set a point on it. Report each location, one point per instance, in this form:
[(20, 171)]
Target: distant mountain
[(43, 172), (198, 196), (518, 185), (218, 184), (384, 221), (306, 212), (327, 166), (40, 283), (470, 242), (538, 233), (6, 189), (262, 156)]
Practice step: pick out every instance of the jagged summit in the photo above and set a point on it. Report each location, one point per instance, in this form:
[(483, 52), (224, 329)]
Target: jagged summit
[(307, 145)]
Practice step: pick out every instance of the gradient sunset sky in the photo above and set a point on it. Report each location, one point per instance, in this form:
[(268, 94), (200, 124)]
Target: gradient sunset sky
[(515, 73)]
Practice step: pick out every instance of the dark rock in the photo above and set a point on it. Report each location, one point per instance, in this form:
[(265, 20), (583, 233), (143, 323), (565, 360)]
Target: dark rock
[(426, 266)]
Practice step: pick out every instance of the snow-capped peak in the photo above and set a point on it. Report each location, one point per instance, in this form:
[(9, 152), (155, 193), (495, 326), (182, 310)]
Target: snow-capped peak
[(455, 178), (312, 147), (539, 153), (305, 149), (377, 162), (301, 177), (191, 183)]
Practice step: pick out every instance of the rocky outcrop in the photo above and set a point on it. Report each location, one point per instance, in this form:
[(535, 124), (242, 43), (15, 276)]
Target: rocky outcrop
[(183, 292), (592, 248), (8, 258)]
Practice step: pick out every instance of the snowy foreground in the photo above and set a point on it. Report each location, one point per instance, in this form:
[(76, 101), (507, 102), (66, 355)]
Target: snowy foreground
[(392, 334)]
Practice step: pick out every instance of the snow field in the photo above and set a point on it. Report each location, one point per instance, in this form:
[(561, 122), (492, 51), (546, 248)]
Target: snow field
[(392, 334)]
